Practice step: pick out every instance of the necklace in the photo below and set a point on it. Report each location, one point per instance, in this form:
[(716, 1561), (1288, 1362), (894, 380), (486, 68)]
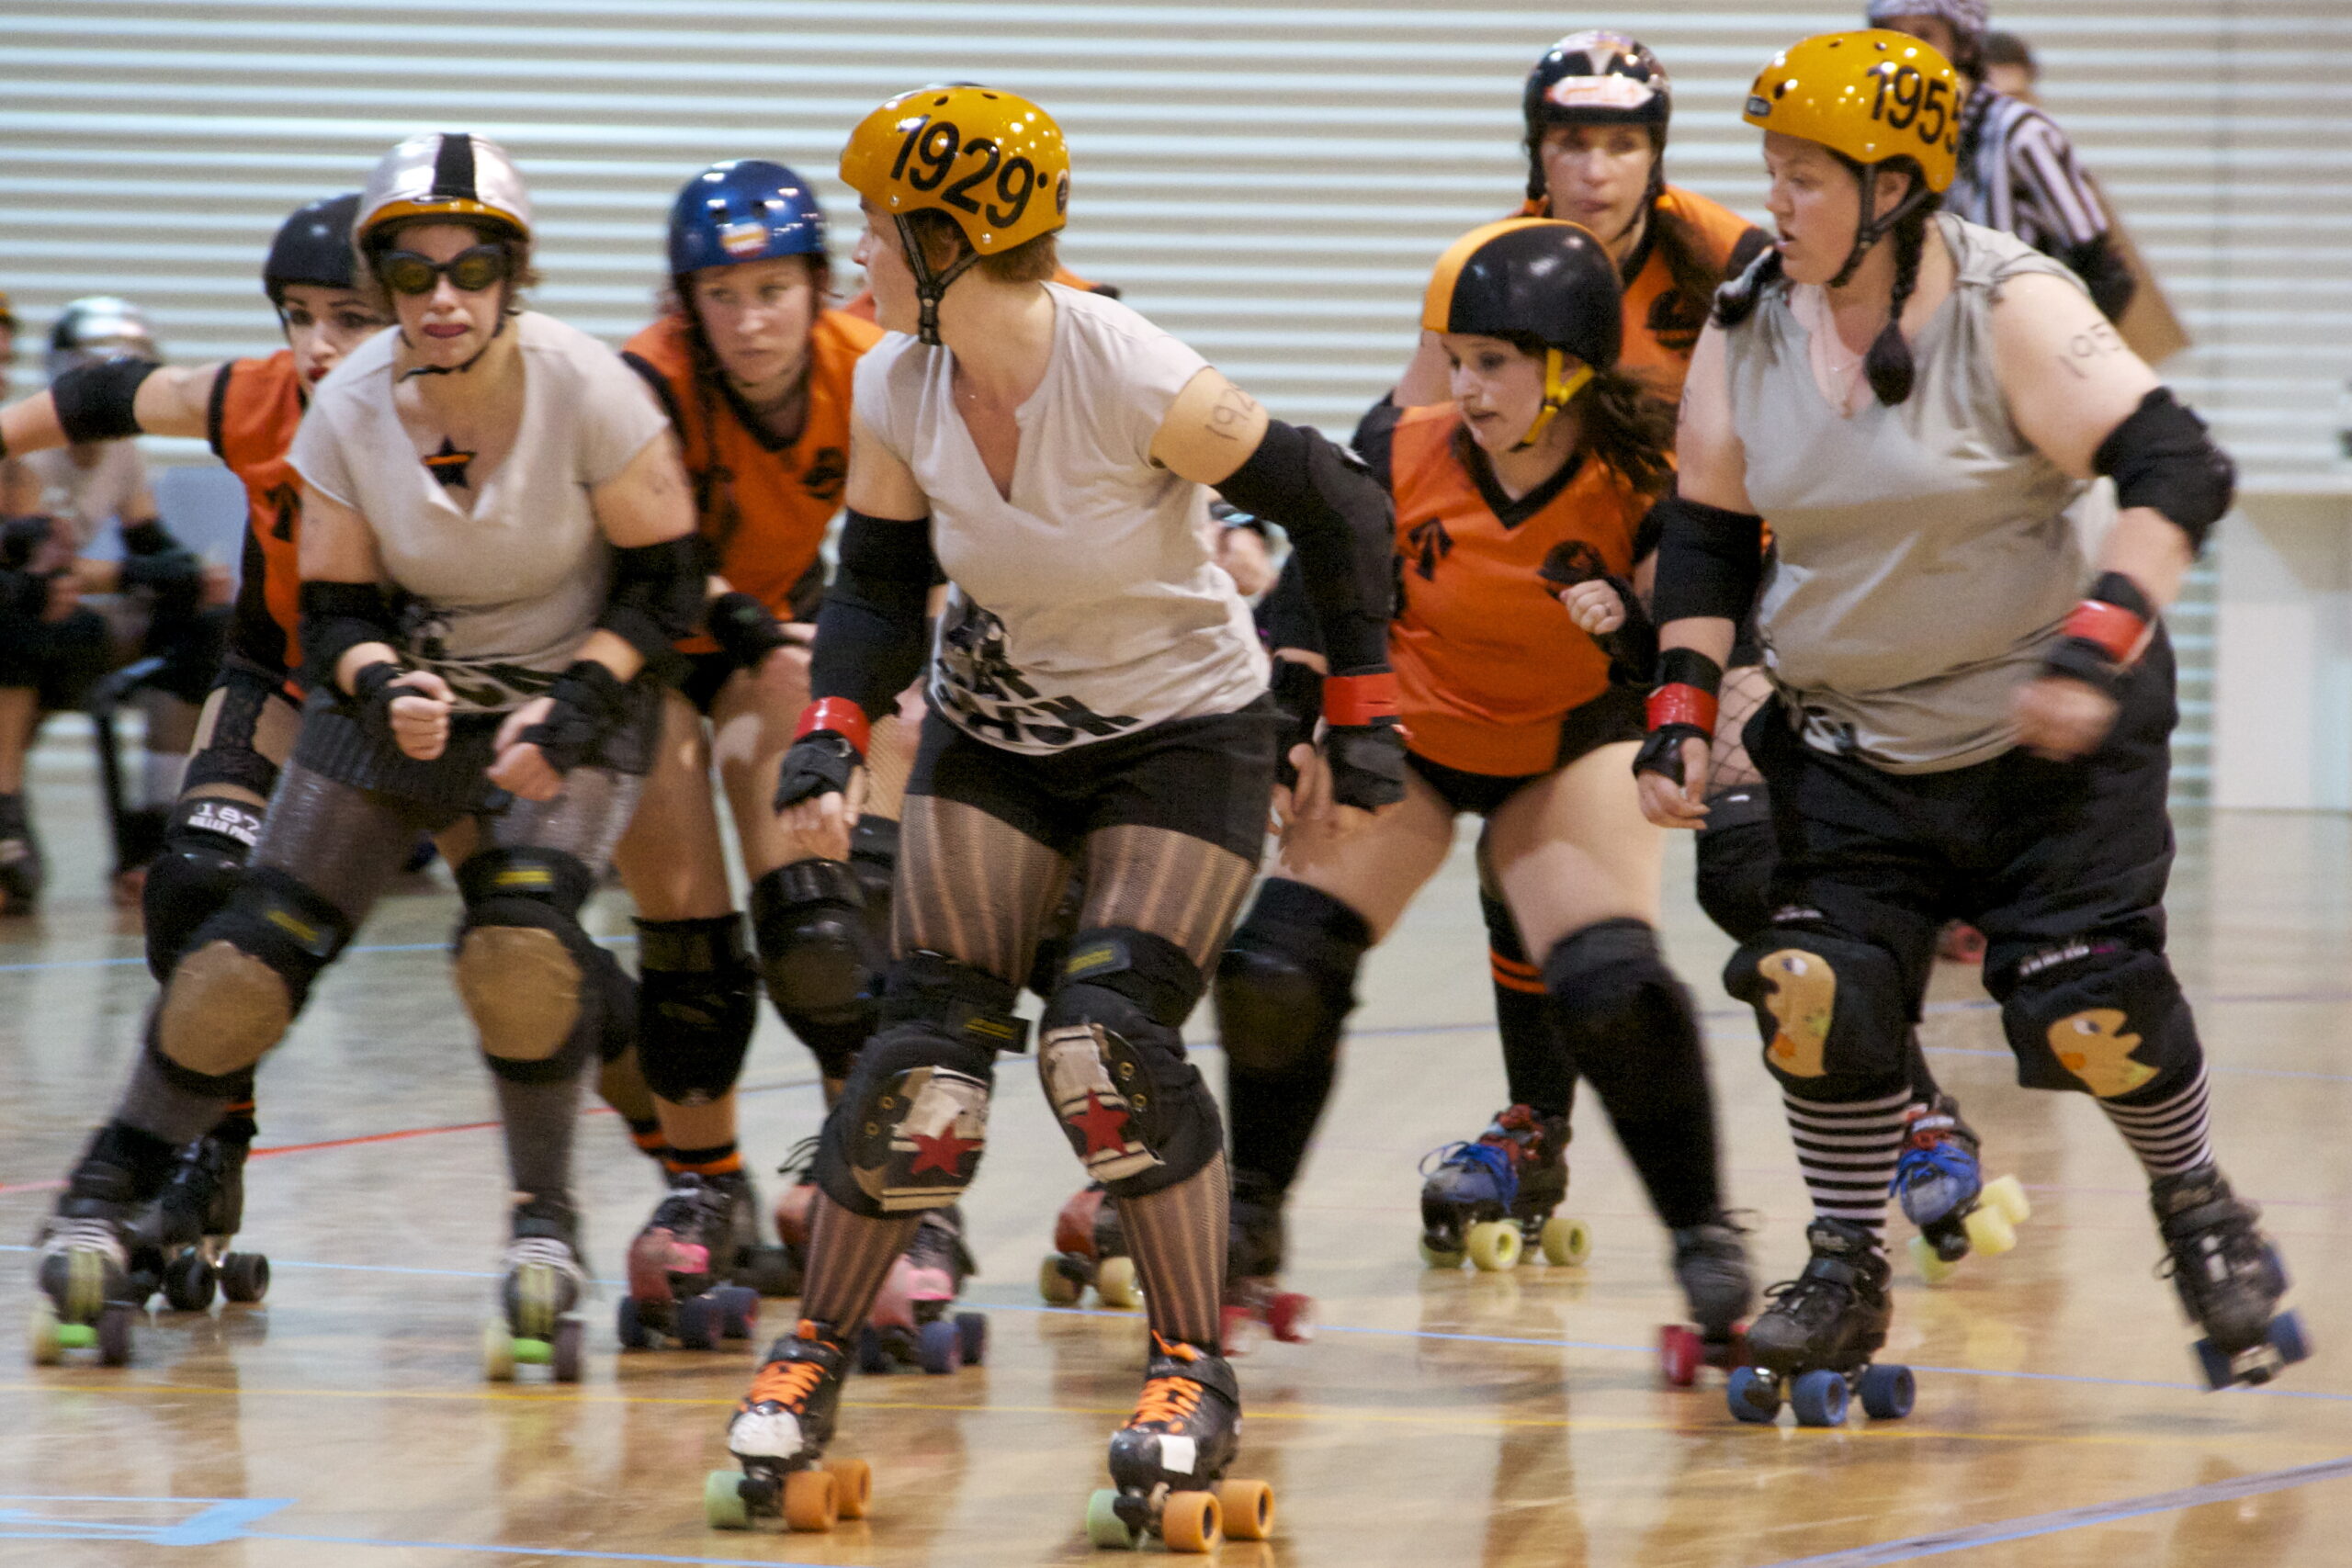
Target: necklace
[(1838, 372)]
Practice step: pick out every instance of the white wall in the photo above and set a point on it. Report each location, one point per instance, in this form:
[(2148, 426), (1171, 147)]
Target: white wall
[(2282, 698)]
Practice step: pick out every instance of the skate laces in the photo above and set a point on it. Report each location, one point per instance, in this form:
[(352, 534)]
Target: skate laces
[(1170, 1400), (789, 1383), (1931, 1158), (1495, 1157), (801, 1160)]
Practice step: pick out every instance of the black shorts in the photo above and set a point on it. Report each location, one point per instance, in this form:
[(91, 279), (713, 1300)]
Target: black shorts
[(1210, 778), (705, 674), (1612, 716)]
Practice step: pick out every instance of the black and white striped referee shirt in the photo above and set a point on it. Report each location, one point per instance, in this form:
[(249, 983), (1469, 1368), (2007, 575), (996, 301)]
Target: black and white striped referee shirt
[(2018, 173)]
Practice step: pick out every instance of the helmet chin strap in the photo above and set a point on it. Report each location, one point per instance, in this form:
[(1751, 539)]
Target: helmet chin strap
[(1557, 390), (1869, 230), (930, 287)]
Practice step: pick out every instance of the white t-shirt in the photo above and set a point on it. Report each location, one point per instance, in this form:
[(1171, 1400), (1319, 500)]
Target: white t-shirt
[(502, 595), (1088, 606)]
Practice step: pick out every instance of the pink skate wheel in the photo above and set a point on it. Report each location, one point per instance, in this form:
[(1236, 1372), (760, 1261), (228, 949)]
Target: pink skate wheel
[(1679, 1352), (1291, 1316)]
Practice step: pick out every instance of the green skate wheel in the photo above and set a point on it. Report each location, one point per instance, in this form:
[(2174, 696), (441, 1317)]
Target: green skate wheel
[(1439, 1257), (44, 1336), (722, 1501), (534, 1352), (1104, 1525), (1566, 1243), (1494, 1245), (1933, 1268), (1989, 1231), (1116, 1284), (497, 1351), (77, 1335)]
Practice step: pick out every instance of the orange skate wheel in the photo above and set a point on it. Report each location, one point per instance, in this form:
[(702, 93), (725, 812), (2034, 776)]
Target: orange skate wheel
[(852, 1486), (1246, 1509), (1188, 1521), (809, 1500)]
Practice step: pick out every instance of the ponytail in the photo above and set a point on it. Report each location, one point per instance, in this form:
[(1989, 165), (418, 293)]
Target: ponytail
[(1736, 300)]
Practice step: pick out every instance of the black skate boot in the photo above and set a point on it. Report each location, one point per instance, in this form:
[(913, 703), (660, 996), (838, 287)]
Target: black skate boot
[(1168, 1462), (677, 1267), (1940, 1184), (910, 1324), (1491, 1200), (537, 1324), (1090, 1248), (2229, 1277), (24, 871), (1710, 1264), (1254, 1299), (196, 1219), (778, 1435), (82, 1267), (761, 1267), (1814, 1345)]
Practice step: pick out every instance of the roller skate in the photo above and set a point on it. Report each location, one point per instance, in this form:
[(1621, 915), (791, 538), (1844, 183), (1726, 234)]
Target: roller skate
[(1711, 1263), (762, 1267), (677, 1267), (1168, 1462), (83, 1269), (1491, 1200), (778, 1437), (1090, 1248), (2229, 1277), (1943, 1190), (1812, 1346), (536, 1324), (910, 1324), (1253, 1262), (24, 870), (186, 1253)]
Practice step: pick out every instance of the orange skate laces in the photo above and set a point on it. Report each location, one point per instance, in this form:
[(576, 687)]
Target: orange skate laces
[(786, 1383), (1170, 1400)]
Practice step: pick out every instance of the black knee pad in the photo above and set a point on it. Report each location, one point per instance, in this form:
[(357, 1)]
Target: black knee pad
[(816, 953), (616, 1006), (197, 872), (697, 1005), (1831, 1009), (244, 974), (1737, 852), (911, 1124), (524, 969), (1286, 982), (1112, 1058), (2105, 1018), (1627, 1017)]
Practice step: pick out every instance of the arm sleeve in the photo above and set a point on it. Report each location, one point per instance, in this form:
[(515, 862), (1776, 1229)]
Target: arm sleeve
[(869, 632), (1343, 531), (1710, 561), (216, 407), (1375, 440), (1289, 618)]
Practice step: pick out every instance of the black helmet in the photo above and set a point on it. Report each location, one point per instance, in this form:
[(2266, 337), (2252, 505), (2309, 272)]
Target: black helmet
[(1593, 78), (313, 247), (1535, 278)]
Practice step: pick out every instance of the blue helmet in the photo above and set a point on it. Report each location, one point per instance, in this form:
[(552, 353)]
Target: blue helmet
[(743, 211)]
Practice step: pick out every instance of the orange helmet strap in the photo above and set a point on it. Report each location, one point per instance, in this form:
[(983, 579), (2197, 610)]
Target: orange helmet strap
[(1557, 390)]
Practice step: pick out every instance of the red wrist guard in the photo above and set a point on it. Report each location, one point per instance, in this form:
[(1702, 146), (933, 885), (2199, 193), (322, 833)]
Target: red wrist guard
[(840, 715), (1681, 704), (2111, 629), (1355, 700)]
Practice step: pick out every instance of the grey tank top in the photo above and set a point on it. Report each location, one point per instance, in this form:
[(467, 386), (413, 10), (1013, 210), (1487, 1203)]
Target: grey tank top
[(1925, 552)]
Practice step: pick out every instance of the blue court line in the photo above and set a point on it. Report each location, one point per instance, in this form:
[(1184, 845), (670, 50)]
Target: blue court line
[(224, 1521), (2032, 1525)]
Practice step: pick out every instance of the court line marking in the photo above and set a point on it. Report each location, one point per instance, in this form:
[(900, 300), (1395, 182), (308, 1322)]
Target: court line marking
[(2028, 1526), (572, 1553)]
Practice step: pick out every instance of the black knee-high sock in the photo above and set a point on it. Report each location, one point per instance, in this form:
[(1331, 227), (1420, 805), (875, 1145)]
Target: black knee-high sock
[(1537, 1064), (1177, 1237), (1273, 1116), (1924, 1091)]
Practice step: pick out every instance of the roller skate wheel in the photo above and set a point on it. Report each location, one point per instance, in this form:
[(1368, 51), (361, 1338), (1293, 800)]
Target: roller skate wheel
[(722, 1501), (113, 1335), (739, 1311), (563, 1350), (873, 1356), (497, 1351), (1566, 1243), (629, 1328), (1291, 1318), (694, 1327), (1888, 1393), (1679, 1354), (972, 1337), (531, 1352), (2007, 1195), (1056, 1287), (245, 1276), (1818, 1397), (852, 1486), (1191, 1521), (809, 1503), (1104, 1525), (2287, 1338), (1753, 1396), (188, 1283), (1116, 1284), (1247, 1509), (44, 1336), (1933, 1268), (939, 1350), (1493, 1246), (1439, 1257), (1989, 1231)]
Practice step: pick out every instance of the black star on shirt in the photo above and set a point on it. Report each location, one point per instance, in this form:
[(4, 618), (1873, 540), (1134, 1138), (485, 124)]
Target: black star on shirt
[(448, 465)]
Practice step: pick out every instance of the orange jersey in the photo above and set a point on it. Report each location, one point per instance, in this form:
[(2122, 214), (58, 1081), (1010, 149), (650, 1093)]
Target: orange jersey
[(257, 404), (862, 304), (1487, 662), (763, 506)]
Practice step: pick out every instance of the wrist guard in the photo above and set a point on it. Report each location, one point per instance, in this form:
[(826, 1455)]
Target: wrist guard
[(1682, 708), (371, 697), (2099, 639), (743, 628), (1364, 743), (827, 748), (589, 706)]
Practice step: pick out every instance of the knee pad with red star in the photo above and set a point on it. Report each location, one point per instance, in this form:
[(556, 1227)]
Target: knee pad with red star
[(1112, 1058)]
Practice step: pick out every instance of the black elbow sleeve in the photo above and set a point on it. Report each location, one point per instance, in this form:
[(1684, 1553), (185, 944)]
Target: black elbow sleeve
[(870, 629), (2161, 455), (100, 402), (657, 595), (1710, 561), (336, 618), (1342, 529)]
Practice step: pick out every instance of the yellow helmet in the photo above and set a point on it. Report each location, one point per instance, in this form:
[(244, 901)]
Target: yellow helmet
[(1870, 95)]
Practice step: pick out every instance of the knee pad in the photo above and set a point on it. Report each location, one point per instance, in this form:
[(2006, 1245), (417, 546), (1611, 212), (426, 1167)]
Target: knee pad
[(911, 1124), (1737, 852), (2106, 1019), (1286, 982), (1830, 1008), (1627, 1017), (816, 953), (246, 973), (1113, 1062), (524, 965), (616, 1004), (198, 871), (697, 1005)]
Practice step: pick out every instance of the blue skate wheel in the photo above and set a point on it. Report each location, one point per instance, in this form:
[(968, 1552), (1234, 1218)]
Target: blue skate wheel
[(1104, 1525), (696, 1325), (628, 1327), (739, 1311), (1752, 1396), (722, 1501), (1819, 1398), (972, 1332), (2287, 1337), (873, 1356), (2215, 1365), (1888, 1393), (939, 1349)]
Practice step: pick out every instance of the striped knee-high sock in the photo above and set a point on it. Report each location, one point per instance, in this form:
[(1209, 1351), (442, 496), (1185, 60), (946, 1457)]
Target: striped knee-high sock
[(849, 1257), (1177, 1239), (1847, 1153), (2170, 1136)]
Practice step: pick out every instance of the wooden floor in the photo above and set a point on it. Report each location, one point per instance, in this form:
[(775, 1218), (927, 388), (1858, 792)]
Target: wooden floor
[(1439, 1419)]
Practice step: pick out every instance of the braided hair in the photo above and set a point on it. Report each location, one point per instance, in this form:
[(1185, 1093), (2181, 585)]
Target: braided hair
[(1888, 363)]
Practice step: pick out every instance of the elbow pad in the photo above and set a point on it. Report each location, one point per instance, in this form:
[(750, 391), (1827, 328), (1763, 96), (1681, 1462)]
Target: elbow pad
[(657, 595), (98, 403), (1710, 561), (2161, 457), (1342, 526), (336, 618), (879, 549)]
